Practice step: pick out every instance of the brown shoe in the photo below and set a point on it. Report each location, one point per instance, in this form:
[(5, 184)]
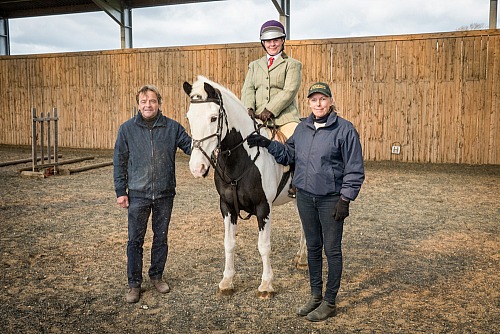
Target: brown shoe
[(323, 312), (133, 295), (160, 285)]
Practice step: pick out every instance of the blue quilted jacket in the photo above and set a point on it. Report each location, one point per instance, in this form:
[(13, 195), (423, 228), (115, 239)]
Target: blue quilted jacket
[(328, 160)]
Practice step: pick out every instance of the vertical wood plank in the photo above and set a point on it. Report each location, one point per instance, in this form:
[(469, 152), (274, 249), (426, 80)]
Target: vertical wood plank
[(437, 95)]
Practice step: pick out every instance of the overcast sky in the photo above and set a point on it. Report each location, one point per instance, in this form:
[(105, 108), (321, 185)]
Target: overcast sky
[(235, 21)]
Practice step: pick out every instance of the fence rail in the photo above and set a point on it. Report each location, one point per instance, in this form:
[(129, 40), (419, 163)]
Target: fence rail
[(436, 95)]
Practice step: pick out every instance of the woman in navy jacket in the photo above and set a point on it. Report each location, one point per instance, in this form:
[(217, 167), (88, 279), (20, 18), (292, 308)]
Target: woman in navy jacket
[(329, 172)]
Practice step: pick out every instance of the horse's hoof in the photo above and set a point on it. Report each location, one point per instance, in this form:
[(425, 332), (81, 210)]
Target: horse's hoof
[(266, 294), (301, 266), (225, 292)]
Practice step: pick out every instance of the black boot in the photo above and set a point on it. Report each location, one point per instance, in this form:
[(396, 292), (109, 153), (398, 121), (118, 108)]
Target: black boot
[(323, 312), (311, 305)]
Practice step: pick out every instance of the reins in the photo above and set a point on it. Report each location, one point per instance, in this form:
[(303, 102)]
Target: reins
[(214, 162)]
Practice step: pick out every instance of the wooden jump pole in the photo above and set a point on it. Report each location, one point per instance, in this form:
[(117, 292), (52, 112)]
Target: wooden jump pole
[(69, 161), (85, 168), (21, 161)]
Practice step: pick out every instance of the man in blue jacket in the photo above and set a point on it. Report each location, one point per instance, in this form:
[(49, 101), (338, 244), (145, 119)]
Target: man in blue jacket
[(144, 179), (329, 172)]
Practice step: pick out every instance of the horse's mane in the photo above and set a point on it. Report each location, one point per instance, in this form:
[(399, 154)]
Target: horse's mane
[(198, 88)]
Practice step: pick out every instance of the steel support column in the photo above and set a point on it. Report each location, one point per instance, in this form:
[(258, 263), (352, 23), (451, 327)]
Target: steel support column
[(126, 29), (4, 37), (283, 8), (493, 14), (122, 15)]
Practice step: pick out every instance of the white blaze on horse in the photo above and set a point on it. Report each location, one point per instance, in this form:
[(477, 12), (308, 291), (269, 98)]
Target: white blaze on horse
[(247, 179)]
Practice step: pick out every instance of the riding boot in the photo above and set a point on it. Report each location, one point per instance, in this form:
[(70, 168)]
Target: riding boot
[(310, 306), (322, 312)]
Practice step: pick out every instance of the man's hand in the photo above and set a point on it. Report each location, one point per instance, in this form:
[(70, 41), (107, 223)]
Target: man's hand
[(265, 115), (122, 201), (341, 211), (251, 112), (258, 140)]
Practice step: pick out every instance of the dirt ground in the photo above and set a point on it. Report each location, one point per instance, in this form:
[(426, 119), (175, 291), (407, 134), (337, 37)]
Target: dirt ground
[(421, 255)]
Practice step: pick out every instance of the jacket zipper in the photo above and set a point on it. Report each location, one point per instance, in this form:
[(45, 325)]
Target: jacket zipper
[(309, 156), (152, 163)]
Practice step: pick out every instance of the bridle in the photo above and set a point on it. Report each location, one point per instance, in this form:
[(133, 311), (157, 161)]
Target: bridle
[(214, 158)]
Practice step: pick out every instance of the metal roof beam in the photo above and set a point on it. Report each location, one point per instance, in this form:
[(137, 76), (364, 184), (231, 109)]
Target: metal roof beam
[(122, 15), (283, 8), (114, 8)]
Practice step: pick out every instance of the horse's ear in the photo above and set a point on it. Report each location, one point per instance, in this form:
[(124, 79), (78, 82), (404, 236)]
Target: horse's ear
[(210, 91), (187, 87)]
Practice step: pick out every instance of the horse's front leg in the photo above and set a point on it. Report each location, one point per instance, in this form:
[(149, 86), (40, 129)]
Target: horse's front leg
[(301, 256), (266, 289), (226, 286)]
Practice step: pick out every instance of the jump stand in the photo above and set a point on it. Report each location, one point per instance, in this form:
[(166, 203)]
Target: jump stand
[(43, 143)]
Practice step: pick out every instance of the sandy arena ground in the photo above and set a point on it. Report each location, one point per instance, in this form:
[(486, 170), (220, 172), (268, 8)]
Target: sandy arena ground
[(421, 255)]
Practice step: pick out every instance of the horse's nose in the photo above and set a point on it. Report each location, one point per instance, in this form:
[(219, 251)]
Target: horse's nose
[(199, 171)]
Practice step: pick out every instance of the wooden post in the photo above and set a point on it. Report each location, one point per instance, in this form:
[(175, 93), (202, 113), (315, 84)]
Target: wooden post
[(56, 144), (48, 137), (34, 158), (42, 136)]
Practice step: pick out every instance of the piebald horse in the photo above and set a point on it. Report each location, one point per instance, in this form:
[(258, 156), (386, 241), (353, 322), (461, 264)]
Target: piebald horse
[(247, 179)]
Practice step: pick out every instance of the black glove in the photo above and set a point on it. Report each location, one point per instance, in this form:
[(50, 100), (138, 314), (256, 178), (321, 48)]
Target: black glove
[(258, 140), (341, 211), (265, 115)]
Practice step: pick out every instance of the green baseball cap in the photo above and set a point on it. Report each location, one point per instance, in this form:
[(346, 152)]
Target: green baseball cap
[(320, 87)]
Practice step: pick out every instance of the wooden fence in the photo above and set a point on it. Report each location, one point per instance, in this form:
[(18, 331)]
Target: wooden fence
[(437, 96)]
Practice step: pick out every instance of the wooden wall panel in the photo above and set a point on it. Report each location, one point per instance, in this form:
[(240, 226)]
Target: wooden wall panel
[(435, 95)]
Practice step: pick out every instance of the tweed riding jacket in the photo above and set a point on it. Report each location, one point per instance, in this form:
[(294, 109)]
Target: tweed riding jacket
[(274, 89)]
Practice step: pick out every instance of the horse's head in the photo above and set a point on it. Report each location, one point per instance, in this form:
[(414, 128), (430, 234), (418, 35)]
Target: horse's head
[(204, 117), (217, 118)]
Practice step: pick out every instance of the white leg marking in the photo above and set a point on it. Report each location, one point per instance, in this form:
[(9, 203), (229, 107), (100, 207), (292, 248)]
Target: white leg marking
[(266, 285), (229, 247)]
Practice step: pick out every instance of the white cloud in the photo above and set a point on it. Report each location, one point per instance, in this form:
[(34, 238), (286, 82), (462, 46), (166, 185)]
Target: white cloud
[(204, 23), (233, 21), (61, 33)]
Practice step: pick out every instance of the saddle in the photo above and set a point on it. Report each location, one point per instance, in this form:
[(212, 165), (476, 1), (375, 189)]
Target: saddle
[(278, 135)]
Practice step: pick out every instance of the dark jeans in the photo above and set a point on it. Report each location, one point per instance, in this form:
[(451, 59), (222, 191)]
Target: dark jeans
[(139, 211), (322, 231)]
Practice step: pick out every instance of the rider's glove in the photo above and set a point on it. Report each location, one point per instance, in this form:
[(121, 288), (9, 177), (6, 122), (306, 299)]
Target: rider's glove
[(265, 115), (258, 140)]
